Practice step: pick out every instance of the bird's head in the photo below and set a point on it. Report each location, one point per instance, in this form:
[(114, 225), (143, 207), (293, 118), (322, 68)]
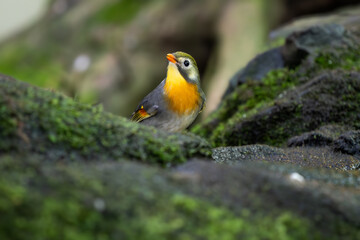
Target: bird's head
[(185, 65)]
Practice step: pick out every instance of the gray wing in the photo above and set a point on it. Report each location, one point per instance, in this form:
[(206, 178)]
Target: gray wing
[(203, 100), (151, 105)]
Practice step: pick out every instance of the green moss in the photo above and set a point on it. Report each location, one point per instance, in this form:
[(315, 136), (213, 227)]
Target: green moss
[(42, 121), (277, 42), (330, 99), (118, 12), (219, 223), (344, 59), (138, 204), (247, 100), (274, 83)]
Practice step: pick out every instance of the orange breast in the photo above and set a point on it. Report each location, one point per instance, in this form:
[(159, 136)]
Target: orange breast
[(182, 97)]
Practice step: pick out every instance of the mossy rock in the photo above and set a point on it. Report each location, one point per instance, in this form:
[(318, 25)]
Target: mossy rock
[(55, 126), (198, 200), (317, 86), (331, 97)]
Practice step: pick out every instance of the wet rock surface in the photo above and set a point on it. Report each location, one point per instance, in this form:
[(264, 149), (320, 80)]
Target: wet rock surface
[(348, 17), (315, 157), (300, 44), (348, 143), (324, 136)]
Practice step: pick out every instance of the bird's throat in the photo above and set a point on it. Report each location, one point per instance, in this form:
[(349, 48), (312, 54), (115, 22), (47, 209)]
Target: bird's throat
[(182, 96)]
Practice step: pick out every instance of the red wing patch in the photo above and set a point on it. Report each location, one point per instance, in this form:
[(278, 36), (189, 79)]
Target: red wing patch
[(140, 115)]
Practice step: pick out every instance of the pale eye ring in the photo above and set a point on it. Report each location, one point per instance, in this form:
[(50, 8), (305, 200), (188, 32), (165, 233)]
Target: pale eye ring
[(186, 63)]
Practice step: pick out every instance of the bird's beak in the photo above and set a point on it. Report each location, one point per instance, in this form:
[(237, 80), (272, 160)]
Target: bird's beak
[(171, 58)]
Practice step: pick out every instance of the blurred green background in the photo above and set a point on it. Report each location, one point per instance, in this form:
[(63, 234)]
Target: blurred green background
[(113, 51)]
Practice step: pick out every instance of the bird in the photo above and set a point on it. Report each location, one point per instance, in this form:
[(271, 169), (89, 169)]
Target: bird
[(176, 102)]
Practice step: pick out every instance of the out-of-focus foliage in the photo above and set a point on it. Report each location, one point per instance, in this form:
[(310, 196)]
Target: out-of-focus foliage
[(109, 51)]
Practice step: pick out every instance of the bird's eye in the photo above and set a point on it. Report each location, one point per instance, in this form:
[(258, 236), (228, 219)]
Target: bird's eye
[(186, 63)]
